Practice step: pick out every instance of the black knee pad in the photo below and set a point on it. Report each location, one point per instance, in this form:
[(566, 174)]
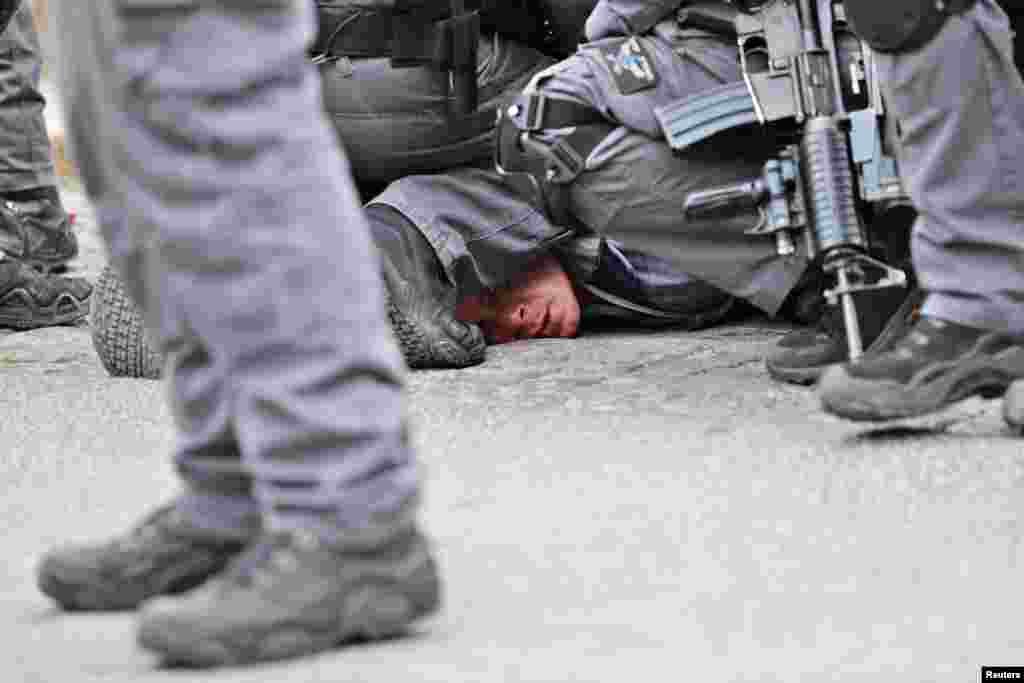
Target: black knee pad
[(904, 25)]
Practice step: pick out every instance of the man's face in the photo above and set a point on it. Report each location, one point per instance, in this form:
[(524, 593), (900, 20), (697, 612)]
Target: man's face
[(539, 303)]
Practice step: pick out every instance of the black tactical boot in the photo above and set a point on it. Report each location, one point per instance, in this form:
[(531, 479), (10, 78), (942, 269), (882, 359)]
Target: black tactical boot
[(163, 554), (421, 303), (935, 363), (291, 594), (804, 354), (35, 228), (29, 299)]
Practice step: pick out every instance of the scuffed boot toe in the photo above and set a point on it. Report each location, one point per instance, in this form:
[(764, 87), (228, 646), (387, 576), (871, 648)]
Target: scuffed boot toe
[(436, 341)]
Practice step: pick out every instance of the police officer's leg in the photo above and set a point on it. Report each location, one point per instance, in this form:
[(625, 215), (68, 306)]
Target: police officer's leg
[(962, 122), (33, 224), (35, 233), (312, 374), (960, 103), (25, 162), (248, 223), (196, 535)]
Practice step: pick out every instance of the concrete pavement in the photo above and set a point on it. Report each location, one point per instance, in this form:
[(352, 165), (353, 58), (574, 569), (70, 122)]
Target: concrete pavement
[(624, 506)]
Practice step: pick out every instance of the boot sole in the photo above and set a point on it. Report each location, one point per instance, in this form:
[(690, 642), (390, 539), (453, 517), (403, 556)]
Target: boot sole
[(118, 332), (65, 310), (876, 400), (419, 353)]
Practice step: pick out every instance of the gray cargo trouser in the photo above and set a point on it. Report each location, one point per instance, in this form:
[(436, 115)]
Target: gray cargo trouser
[(631, 190), (232, 217), (25, 160), (960, 102)]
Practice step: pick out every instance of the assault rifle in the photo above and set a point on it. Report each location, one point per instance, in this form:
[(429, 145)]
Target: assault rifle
[(809, 79)]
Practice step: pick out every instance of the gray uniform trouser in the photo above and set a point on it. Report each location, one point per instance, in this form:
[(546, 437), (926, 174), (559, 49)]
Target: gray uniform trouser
[(25, 160), (632, 189), (232, 217), (960, 102)]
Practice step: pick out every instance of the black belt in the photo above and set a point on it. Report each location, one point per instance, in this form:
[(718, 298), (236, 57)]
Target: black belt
[(347, 32), (411, 36), (442, 36)]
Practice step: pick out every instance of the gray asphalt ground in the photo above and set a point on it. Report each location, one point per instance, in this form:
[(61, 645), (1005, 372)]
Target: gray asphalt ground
[(623, 506)]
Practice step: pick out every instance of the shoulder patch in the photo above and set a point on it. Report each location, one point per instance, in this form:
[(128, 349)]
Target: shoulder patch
[(629, 63)]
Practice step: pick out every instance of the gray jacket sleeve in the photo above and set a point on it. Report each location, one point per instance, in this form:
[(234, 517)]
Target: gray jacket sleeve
[(627, 17)]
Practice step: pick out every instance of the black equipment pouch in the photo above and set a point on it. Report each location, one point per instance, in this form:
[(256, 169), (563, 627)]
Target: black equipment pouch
[(902, 25), (429, 34)]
